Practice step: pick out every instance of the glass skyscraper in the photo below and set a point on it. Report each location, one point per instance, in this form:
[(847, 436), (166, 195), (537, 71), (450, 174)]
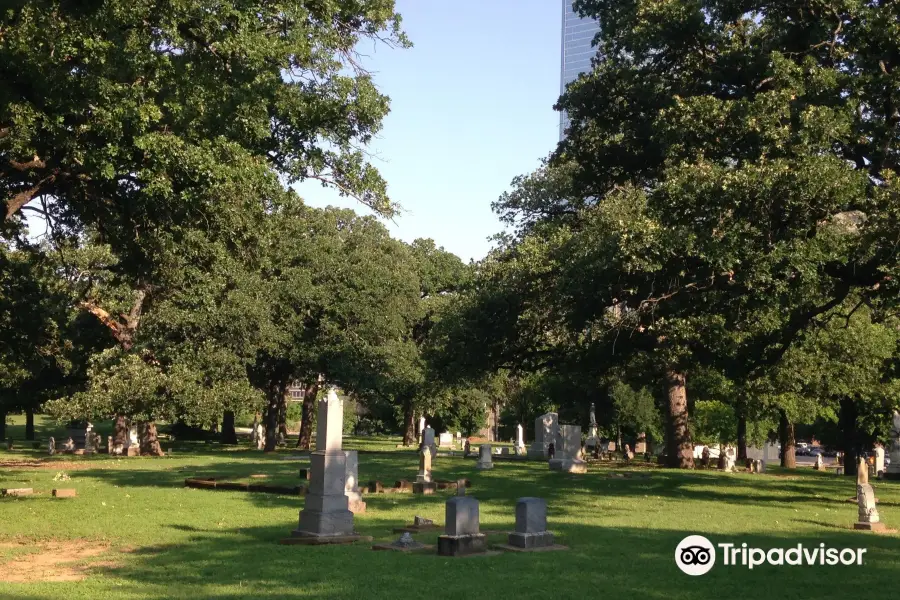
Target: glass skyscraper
[(577, 52)]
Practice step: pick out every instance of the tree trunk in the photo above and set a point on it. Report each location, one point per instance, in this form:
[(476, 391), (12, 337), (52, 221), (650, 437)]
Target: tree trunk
[(275, 396), (304, 437), (788, 443), (29, 424), (229, 435), (680, 449), (849, 438), (409, 424), (2, 424), (120, 431), (741, 430), (282, 416), (148, 439)]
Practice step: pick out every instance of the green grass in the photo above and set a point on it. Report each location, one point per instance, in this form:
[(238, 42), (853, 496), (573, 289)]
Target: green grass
[(622, 532)]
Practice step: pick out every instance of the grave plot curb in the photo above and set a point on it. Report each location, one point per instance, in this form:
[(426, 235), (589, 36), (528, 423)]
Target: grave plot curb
[(210, 483)]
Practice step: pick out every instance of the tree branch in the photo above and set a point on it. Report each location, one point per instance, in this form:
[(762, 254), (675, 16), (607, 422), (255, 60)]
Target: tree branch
[(15, 204)]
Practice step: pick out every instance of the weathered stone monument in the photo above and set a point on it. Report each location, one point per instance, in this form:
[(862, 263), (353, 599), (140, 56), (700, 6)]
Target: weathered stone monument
[(820, 465), (567, 451), (729, 456), (531, 527), (261, 437), (462, 533), (546, 430), (424, 482), (421, 427), (879, 461), (326, 517), (428, 440), (69, 445), (485, 461), (351, 483), (704, 457), (51, 446), (445, 440), (868, 513)]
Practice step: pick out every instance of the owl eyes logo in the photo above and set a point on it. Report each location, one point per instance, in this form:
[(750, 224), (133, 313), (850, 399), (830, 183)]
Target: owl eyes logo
[(695, 555)]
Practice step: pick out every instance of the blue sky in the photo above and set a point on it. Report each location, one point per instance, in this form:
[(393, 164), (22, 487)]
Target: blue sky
[(471, 108)]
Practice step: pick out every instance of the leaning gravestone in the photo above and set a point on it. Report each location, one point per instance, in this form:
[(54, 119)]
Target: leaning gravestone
[(326, 518), (462, 533), (868, 513), (484, 458), (351, 482)]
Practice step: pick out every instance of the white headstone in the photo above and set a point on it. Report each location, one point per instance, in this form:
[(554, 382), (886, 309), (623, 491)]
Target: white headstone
[(446, 440), (879, 460), (520, 436), (484, 457)]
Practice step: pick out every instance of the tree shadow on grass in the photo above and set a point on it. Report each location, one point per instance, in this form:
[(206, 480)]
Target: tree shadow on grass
[(626, 562)]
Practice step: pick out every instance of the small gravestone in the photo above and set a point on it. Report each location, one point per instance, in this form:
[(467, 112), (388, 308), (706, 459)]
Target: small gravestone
[(629, 455), (531, 527), (462, 534), (460, 487), (69, 445), (65, 493), (819, 466), (868, 513), (484, 458), (445, 440), (9, 444), (418, 525), (729, 460), (467, 449), (762, 466), (424, 483), (260, 437), (51, 446), (376, 487)]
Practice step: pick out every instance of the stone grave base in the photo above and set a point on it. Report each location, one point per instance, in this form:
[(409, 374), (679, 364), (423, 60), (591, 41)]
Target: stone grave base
[(17, 492), (390, 546), (510, 548), (869, 526), (462, 545), (424, 487), (530, 540), (210, 483), (322, 540), (482, 466), (568, 465)]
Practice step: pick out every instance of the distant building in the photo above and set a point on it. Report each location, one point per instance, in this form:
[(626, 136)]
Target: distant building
[(577, 51), (296, 391)]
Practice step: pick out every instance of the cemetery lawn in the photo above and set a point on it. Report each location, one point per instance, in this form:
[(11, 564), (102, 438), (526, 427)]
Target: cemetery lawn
[(135, 531)]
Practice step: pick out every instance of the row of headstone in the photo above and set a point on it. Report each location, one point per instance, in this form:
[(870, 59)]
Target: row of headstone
[(462, 527)]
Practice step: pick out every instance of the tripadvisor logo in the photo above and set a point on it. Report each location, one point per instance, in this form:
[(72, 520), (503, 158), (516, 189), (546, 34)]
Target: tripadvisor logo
[(696, 555)]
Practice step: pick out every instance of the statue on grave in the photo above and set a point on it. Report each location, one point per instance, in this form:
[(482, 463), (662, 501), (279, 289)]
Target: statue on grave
[(593, 422)]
